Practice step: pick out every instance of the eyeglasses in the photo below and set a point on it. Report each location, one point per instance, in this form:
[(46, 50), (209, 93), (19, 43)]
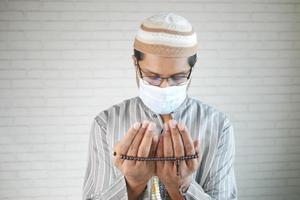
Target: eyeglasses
[(174, 80)]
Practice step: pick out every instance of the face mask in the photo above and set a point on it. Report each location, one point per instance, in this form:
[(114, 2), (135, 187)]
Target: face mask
[(162, 100)]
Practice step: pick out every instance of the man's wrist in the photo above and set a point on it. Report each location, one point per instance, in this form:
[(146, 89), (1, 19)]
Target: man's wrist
[(180, 192), (134, 189), (174, 193), (183, 190)]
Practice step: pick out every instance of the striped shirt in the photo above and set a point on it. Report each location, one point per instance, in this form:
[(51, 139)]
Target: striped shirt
[(214, 178)]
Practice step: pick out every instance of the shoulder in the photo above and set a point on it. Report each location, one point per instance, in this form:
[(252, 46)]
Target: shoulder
[(114, 110), (209, 112), (215, 125)]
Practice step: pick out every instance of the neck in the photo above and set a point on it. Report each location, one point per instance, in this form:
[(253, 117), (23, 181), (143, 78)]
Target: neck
[(166, 117)]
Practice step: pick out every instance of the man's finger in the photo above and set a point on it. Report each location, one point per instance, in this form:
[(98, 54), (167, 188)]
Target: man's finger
[(188, 144), (145, 145), (176, 139), (134, 147), (154, 145), (168, 145), (125, 142), (197, 147), (160, 153), (193, 164), (122, 146), (187, 140)]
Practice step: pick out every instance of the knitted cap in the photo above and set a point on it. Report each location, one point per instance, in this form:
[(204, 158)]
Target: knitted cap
[(166, 35)]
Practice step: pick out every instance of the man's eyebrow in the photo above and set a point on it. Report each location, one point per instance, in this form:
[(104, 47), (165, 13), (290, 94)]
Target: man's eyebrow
[(146, 70)]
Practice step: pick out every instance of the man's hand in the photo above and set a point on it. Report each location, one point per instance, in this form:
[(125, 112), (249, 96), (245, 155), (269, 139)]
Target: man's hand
[(176, 141), (140, 140)]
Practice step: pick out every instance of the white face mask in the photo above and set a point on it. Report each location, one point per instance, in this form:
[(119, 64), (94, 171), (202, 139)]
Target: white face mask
[(162, 100)]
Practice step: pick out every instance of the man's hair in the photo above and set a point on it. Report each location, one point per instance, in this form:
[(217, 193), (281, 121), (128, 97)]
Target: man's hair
[(191, 59)]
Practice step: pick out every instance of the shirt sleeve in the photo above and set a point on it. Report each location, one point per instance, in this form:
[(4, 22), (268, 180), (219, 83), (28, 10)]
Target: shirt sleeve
[(221, 182), (100, 181)]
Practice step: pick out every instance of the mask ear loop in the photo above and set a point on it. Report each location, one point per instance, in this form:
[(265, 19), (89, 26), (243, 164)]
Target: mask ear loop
[(139, 69), (139, 73), (190, 73)]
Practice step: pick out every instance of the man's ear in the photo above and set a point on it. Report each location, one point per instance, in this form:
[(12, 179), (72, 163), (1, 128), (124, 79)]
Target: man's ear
[(136, 69), (134, 61)]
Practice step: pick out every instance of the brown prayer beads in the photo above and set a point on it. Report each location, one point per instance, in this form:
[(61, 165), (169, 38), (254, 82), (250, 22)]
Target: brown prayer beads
[(177, 160)]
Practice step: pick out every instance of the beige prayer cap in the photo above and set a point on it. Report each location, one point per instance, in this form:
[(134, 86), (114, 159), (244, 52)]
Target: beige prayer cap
[(166, 35)]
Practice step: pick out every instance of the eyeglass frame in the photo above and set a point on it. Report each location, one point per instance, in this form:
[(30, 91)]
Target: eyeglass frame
[(162, 78)]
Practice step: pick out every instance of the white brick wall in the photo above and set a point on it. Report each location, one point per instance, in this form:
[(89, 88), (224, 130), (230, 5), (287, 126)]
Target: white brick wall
[(61, 62)]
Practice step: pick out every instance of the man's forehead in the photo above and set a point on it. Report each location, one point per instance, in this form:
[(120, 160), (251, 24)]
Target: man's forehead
[(157, 58), (163, 65)]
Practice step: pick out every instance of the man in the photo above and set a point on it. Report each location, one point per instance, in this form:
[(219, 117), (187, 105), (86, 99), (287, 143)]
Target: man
[(162, 144)]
